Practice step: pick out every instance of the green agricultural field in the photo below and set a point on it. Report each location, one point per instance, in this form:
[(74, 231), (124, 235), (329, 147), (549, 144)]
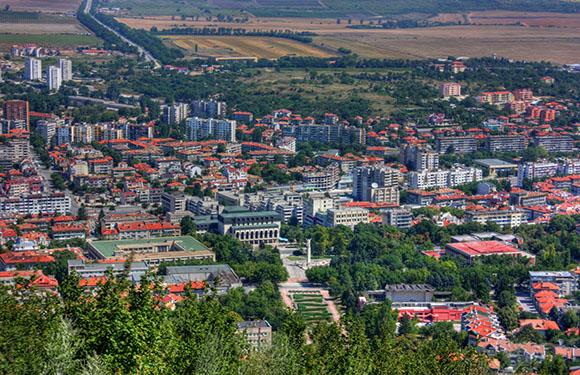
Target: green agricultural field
[(18, 17), (331, 8)]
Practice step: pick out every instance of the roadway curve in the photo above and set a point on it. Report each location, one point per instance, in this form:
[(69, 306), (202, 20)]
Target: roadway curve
[(142, 51)]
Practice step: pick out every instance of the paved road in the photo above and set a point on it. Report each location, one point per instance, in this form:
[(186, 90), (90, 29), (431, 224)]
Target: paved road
[(142, 51), (525, 301), (47, 180), (295, 272)]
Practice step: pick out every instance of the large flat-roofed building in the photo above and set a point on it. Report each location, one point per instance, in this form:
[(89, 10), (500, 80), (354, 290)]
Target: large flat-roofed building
[(503, 143), (565, 280), (473, 250), (494, 166), (404, 293), (110, 221), (153, 251), (456, 145), (511, 218), (252, 227)]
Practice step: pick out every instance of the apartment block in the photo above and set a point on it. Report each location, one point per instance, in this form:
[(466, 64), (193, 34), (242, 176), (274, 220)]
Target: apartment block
[(555, 143), (243, 116), (504, 143), (286, 143), (498, 97), (53, 77), (173, 201), (65, 67), (418, 158), (518, 106), (533, 170), (443, 178), (511, 218), (569, 167), (198, 129), (523, 94), (35, 204), (136, 131), (376, 184), (350, 217), (13, 151), (566, 281), (47, 128), (447, 90), (313, 205), (326, 133), (175, 113), (527, 199), (456, 145), (400, 218), (32, 69), (322, 180), (208, 109), (17, 110)]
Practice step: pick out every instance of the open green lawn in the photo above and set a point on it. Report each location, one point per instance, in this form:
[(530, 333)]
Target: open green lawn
[(312, 307), (71, 40)]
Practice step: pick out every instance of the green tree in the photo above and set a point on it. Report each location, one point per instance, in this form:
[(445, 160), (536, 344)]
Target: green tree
[(570, 319), (405, 325), (508, 318), (506, 298), (82, 214), (527, 333), (554, 366)]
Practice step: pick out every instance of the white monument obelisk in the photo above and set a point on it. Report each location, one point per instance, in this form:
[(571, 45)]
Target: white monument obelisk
[(308, 253)]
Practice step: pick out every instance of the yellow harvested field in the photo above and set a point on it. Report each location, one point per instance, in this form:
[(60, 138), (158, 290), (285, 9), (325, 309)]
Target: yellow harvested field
[(556, 43), (261, 47), (519, 43), (315, 25), (525, 18), (362, 49)]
